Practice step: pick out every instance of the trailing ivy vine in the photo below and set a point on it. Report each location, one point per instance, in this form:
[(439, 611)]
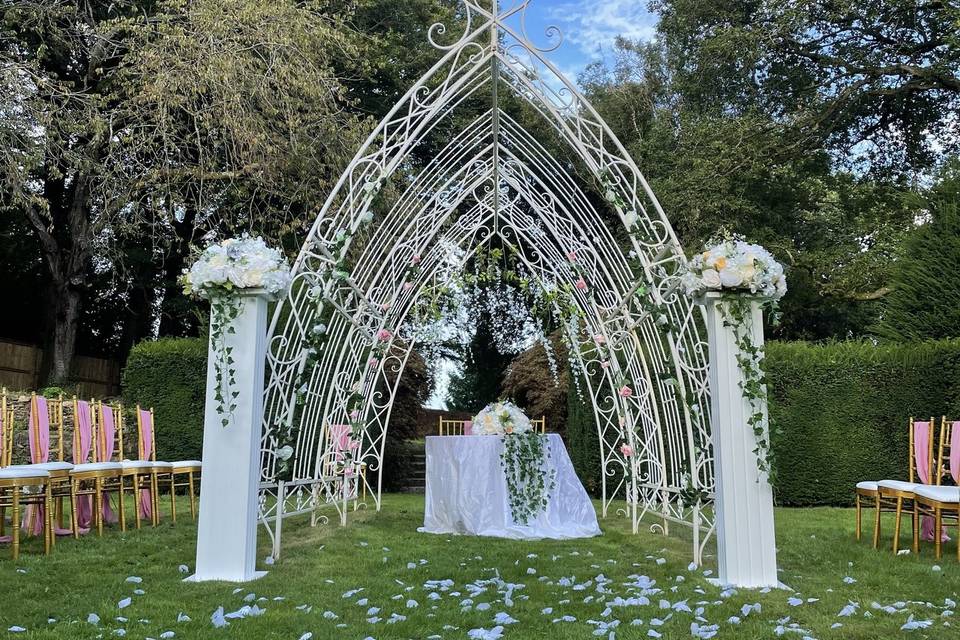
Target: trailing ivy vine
[(529, 483)]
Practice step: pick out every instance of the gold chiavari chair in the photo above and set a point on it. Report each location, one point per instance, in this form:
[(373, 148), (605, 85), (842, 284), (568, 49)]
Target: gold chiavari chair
[(91, 476), (892, 495), (160, 471), (15, 483), (539, 425), (453, 427), (138, 472), (183, 473), (940, 502)]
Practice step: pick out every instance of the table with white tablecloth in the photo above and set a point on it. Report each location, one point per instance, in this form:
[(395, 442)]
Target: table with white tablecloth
[(466, 492)]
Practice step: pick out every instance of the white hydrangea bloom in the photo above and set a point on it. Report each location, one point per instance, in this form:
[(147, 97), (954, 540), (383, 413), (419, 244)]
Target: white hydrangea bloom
[(498, 418), (238, 263), (735, 265)]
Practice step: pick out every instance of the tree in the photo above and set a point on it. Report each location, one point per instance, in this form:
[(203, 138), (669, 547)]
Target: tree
[(877, 80), (483, 368), (529, 382), (132, 128), (925, 301)]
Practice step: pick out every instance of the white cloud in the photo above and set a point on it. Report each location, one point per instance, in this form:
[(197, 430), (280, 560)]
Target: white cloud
[(593, 26)]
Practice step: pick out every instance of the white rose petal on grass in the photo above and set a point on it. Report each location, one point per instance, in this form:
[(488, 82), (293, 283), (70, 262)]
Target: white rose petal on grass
[(912, 625), (183, 569), (485, 634), (218, 619), (134, 579), (330, 615), (307, 636), (123, 604), (503, 618), (93, 619), (16, 629), (167, 634)]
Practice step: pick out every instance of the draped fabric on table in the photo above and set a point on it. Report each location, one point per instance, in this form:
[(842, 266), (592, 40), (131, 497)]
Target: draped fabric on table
[(82, 441), (921, 448), (467, 493), (105, 454), (146, 446)]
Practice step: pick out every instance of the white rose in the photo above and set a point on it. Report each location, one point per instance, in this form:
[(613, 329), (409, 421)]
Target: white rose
[(711, 279), (285, 452), (730, 277)]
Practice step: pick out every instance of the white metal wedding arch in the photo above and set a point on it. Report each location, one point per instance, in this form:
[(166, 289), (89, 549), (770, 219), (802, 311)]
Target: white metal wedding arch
[(384, 238)]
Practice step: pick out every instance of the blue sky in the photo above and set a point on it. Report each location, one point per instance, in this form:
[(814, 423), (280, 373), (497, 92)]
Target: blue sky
[(589, 27)]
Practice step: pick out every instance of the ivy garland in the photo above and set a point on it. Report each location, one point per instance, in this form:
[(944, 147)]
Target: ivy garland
[(528, 484), (737, 315), (225, 309)]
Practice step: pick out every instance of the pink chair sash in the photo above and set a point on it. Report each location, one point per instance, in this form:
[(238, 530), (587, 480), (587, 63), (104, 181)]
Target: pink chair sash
[(921, 449), (108, 429), (82, 441), (3, 433), (38, 436), (145, 446), (339, 440)]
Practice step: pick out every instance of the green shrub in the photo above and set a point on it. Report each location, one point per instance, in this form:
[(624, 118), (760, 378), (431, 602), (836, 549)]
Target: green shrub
[(843, 411), (170, 375), (582, 441)]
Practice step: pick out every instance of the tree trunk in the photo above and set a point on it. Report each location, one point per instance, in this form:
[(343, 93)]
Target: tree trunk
[(65, 240)]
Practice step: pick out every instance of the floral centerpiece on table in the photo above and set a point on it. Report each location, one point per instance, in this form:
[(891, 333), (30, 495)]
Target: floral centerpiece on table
[(735, 265), (221, 272), (524, 459), (500, 418)]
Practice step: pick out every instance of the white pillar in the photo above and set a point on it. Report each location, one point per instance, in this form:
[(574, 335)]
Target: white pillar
[(227, 531), (746, 546)]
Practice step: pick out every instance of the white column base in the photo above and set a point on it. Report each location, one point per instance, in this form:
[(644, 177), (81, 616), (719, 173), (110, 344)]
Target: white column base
[(746, 541), (227, 529)]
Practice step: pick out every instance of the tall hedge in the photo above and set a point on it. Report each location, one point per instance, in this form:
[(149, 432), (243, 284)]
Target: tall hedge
[(843, 411), (170, 375)]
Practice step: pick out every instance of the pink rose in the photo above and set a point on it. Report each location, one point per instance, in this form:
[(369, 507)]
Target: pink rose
[(626, 450), (385, 306), (354, 414), (572, 256), (384, 335), (407, 286), (415, 260), (373, 362), (604, 364), (353, 445), (625, 391), (600, 338), (581, 284)]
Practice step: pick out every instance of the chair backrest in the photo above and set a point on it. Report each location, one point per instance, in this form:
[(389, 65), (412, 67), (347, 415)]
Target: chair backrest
[(338, 440), (44, 413), (539, 425), (455, 427), (146, 435), (83, 430), (6, 429), (921, 451), (108, 432), (948, 453)]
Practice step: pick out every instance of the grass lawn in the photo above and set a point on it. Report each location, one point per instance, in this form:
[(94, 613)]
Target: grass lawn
[(314, 589)]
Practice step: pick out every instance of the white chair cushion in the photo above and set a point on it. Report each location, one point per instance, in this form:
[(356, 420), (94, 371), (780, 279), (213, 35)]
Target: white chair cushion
[(96, 466), (131, 464), (162, 465), (899, 485), (187, 463), (45, 466), (867, 486), (22, 472), (940, 494)]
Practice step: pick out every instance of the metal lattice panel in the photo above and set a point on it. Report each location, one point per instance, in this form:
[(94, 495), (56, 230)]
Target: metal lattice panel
[(491, 179)]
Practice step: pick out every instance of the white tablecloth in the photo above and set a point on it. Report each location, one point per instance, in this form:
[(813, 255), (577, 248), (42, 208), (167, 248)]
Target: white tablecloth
[(467, 492)]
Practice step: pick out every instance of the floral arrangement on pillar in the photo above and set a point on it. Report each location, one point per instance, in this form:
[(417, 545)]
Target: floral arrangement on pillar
[(222, 273), (744, 273)]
